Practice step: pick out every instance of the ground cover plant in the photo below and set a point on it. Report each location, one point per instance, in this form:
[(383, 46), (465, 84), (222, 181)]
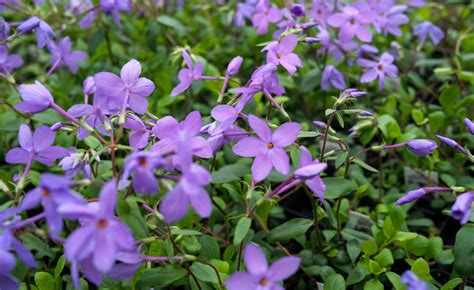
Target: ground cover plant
[(236, 144)]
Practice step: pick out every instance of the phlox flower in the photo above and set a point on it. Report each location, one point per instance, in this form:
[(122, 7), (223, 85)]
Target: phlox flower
[(43, 31), (139, 133), (378, 69), (462, 208), (281, 52), (428, 29), (61, 54), (142, 166), (264, 14), (8, 63), (332, 77), (351, 23), (187, 75)]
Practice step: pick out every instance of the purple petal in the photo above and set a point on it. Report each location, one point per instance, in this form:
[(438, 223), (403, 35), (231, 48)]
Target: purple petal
[(280, 160), (25, 138), (174, 206), (284, 268), (43, 138), (192, 123), (223, 112), (201, 203), (131, 72), (241, 281), (49, 155), (255, 260), (166, 127), (260, 128), (261, 167), (107, 198), (79, 244), (249, 147), (143, 87), (145, 182), (286, 134), (80, 110), (17, 156), (104, 253), (31, 199), (138, 104)]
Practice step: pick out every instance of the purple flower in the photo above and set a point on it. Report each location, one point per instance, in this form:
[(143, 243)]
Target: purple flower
[(264, 14), (428, 29), (188, 190), (320, 12), (61, 54), (75, 163), (226, 114), (44, 33), (36, 146), (378, 69), (139, 133), (259, 276), (332, 77), (142, 165), (282, 53), (172, 134), (234, 66), (88, 87), (129, 89), (244, 11), (393, 18), (469, 125), (9, 62), (52, 192), (309, 173), (421, 147), (351, 23), (267, 147), (4, 28), (461, 209), (220, 135), (187, 75), (79, 7), (36, 98), (297, 10), (416, 194), (412, 281), (451, 143), (100, 238)]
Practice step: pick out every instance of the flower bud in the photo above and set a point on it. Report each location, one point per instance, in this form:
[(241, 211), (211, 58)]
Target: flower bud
[(234, 65), (461, 209), (421, 147)]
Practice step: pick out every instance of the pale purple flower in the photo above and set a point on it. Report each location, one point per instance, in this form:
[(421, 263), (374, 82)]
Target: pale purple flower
[(129, 89), (281, 52), (226, 114), (297, 10), (187, 75), (44, 33), (142, 166), (234, 66), (79, 7), (378, 69), (320, 12), (267, 147), (188, 190), (114, 7), (332, 77), (4, 28), (36, 98), (75, 163), (393, 19), (421, 147), (36, 146), (428, 29), (469, 125), (259, 275), (9, 62), (451, 143), (88, 87), (95, 245), (139, 133), (220, 135), (264, 14), (244, 11), (412, 281), (52, 192), (309, 173), (416, 194), (462, 208), (61, 55), (351, 23), (335, 48)]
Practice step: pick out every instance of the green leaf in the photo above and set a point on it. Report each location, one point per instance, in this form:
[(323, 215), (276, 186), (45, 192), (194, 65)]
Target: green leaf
[(373, 284), (209, 248), (388, 230), (421, 269), (389, 127), (160, 277), (448, 97), (356, 275), (44, 281), (204, 272), (93, 142), (291, 229), (59, 266), (334, 282), (241, 230), (130, 214), (396, 281), (337, 186), (374, 267), (418, 246), (32, 242), (384, 258), (404, 236), (464, 251), (369, 247), (353, 249), (446, 257), (172, 23), (230, 173), (452, 284), (365, 165), (185, 232)]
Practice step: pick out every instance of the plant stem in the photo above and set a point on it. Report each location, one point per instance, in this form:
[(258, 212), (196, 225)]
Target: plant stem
[(314, 205), (338, 218)]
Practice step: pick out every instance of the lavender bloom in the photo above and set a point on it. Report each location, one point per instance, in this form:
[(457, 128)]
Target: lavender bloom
[(416, 194), (114, 7), (36, 146), (428, 29), (220, 135), (44, 33), (282, 53), (461, 209), (331, 76), (189, 190), (469, 125), (128, 89), (264, 14), (226, 114), (421, 147), (9, 62), (61, 54), (393, 18), (187, 75), (172, 133), (378, 69), (79, 7), (244, 11), (335, 48), (309, 173), (52, 192), (234, 66), (75, 163), (297, 10), (100, 238), (320, 12), (36, 98), (351, 23), (138, 137), (259, 275), (4, 27), (142, 165), (451, 143), (89, 85), (267, 147), (412, 281)]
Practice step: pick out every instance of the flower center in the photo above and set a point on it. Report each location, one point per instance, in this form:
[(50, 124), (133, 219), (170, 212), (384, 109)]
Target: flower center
[(102, 224), (142, 162), (319, 12), (352, 21), (380, 67), (264, 282), (45, 192), (278, 55), (270, 145)]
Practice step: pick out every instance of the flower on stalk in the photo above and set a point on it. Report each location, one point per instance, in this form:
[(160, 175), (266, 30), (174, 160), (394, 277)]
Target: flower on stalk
[(412, 281), (378, 69), (264, 14), (36, 146), (259, 275), (351, 22), (243, 11), (267, 147), (142, 166), (187, 75), (332, 77), (281, 52), (469, 125), (309, 173), (84, 9), (220, 135), (428, 29), (320, 12), (75, 163), (226, 114), (61, 54), (421, 147), (462, 208), (96, 244), (8, 63), (52, 192), (36, 98), (43, 31), (129, 89), (418, 193), (139, 133), (451, 143)]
